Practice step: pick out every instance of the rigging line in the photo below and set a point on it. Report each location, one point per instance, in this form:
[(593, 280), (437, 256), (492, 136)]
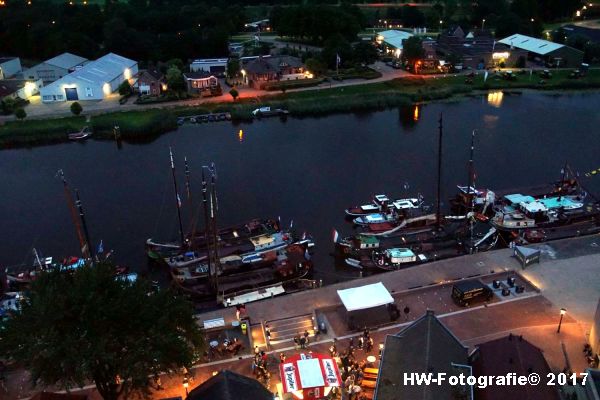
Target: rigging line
[(162, 204)]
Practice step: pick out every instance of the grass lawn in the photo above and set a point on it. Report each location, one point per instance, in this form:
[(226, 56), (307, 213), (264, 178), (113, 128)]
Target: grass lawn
[(369, 96)]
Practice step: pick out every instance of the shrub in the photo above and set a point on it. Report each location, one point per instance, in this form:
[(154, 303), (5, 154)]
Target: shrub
[(20, 113), (234, 93), (76, 108)]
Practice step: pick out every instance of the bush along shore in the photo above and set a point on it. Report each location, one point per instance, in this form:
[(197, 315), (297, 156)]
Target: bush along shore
[(148, 123)]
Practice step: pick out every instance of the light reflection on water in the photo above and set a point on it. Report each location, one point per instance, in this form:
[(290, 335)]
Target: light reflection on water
[(495, 98)]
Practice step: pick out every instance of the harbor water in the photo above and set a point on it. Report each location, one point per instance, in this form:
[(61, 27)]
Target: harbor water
[(303, 170)]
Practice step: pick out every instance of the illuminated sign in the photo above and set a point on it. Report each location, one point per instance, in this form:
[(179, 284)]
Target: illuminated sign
[(497, 56)]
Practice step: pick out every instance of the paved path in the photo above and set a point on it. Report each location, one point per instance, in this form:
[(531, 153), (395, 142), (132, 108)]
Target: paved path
[(39, 110)]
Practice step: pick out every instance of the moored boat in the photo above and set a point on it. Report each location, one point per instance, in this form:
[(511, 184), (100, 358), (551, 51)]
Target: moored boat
[(84, 133)]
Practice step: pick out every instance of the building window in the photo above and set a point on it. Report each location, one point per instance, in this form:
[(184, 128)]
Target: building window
[(47, 98), (59, 97), (89, 92)]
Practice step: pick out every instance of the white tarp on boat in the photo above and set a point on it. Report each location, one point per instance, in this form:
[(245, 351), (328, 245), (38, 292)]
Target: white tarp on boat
[(368, 296)]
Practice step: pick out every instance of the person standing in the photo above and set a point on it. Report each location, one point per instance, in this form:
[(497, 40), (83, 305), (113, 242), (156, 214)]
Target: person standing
[(281, 358)]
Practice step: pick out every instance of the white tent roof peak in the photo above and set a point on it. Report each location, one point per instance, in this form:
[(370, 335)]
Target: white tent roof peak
[(363, 297)]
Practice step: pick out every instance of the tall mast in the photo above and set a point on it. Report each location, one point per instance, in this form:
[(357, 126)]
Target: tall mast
[(207, 235), (214, 207), (177, 199), (187, 180), (73, 212), (471, 180), (90, 249), (439, 177)]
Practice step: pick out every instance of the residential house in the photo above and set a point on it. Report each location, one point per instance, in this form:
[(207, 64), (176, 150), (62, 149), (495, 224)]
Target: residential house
[(55, 68), (19, 88), (94, 81), (150, 82), (9, 67), (201, 82), (215, 66), (260, 70), (511, 354), (228, 385), (545, 52), (425, 346), (476, 50)]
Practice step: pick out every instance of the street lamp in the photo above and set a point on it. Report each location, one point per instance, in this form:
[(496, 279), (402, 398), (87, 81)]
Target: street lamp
[(482, 24), (185, 385), (562, 313), (441, 22)]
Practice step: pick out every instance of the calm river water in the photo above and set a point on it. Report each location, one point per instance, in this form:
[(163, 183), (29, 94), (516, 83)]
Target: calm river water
[(307, 170)]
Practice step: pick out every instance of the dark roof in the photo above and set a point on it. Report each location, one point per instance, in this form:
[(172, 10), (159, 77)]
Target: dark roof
[(9, 86), (58, 396), (5, 59), (228, 385), (511, 354), (260, 66), (154, 73), (273, 64), (590, 33), (424, 346), (197, 75)]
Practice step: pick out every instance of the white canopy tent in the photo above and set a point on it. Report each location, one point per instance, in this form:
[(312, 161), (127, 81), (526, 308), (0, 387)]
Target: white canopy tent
[(364, 297)]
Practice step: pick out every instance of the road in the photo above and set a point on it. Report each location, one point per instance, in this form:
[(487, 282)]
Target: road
[(38, 110)]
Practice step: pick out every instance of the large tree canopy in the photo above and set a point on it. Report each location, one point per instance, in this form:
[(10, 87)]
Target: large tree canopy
[(90, 326)]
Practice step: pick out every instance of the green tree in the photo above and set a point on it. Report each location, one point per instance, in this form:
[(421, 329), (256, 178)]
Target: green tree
[(365, 53), (20, 114), (412, 49), (91, 326), (76, 108), (125, 89), (8, 105), (335, 46), (175, 81), (233, 67), (316, 66), (234, 93)]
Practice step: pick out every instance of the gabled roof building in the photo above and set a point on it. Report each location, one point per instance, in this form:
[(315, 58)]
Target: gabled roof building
[(55, 68), (228, 385), (94, 81), (425, 346), (544, 51)]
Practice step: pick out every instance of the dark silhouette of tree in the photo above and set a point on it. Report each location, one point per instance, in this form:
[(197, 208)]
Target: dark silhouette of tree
[(89, 325)]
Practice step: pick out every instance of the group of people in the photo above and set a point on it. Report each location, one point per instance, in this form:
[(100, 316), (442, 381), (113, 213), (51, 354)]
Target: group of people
[(301, 340), (260, 366)]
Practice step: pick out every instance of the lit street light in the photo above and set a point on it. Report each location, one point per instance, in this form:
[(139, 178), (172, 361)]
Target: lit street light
[(482, 24), (185, 385), (562, 314)]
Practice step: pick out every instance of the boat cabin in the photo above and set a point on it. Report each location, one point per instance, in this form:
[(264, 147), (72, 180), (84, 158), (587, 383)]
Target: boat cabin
[(268, 241), (399, 255), (366, 242), (381, 199), (520, 211)]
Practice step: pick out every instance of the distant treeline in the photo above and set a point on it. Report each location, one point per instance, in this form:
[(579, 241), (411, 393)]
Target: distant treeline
[(141, 30)]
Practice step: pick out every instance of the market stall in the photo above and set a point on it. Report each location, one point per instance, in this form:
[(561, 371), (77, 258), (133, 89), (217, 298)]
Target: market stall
[(309, 376), (367, 306)]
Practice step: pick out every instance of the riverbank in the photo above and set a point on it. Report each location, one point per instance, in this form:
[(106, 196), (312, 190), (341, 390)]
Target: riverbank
[(151, 122)]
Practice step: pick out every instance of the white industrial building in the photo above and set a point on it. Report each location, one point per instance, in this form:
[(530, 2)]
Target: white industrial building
[(392, 41), (94, 81), (55, 68), (215, 66), (9, 67)]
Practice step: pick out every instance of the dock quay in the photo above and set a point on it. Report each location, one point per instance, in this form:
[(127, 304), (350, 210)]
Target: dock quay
[(211, 117), (568, 276), (574, 263)]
